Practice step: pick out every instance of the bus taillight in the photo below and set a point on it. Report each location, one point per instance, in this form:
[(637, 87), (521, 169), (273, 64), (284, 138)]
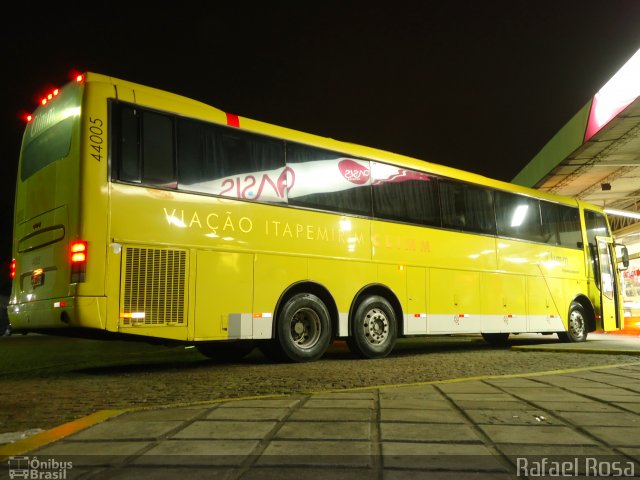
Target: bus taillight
[(78, 261), (12, 269)]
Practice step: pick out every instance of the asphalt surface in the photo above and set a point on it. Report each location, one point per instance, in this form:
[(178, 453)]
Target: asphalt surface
[(579, 421)]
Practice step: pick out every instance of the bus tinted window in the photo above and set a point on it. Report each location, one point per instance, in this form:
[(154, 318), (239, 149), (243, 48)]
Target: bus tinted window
[(327, 180), (405, 195), (48, 136), (561, 225), (518, 216), (158, 158), (596, 226), (466, 207), (129, 165), (224, 161), (50, 145)]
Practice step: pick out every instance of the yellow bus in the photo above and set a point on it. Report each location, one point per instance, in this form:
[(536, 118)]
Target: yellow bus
[(144, 214)]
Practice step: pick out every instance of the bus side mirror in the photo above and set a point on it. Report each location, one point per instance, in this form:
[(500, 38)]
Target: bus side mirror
[(623, 254)]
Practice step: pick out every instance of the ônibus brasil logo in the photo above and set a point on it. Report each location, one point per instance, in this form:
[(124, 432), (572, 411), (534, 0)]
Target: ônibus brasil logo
[(34, 468)]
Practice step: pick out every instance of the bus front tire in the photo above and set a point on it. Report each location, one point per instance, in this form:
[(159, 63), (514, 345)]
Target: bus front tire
[(577, 328), (374, 329), (303, 330), (226, 351), (496, 339)]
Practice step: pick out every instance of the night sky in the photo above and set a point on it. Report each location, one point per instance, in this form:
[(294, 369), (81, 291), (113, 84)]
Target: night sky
[(477, 85)]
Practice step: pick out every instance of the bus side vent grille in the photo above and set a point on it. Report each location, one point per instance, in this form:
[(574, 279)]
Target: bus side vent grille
[(153, 287)]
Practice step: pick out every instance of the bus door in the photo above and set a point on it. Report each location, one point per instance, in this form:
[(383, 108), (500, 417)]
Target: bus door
[(609, 298)]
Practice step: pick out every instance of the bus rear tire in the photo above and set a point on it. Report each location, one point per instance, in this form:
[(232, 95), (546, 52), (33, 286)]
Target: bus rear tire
[(226, 351), (496, 339), (577, 328), (374, 329), (303, 330)]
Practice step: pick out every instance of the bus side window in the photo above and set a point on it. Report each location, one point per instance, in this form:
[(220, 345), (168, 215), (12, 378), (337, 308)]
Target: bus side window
[(561, 225), (158, 166), (129, 147), (479, 211), (328, 180), (405, 195), (453, 204), (518, 217)]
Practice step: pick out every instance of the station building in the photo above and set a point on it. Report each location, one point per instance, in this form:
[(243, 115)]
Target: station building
[(596, 157)]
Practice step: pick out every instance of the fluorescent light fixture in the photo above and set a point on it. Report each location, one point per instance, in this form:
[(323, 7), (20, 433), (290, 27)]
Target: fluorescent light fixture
[(622, 213)]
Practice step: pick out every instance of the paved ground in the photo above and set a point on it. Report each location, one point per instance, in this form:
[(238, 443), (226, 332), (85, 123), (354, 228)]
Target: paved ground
[(582, 420), (49, 381)]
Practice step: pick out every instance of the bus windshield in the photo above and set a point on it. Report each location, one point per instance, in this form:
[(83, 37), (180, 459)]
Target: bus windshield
[(48, 137)]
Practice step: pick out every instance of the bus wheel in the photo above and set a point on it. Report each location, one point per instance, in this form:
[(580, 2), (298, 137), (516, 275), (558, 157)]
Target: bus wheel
[(496, 339), (304, 328), (577, 331), (374, 328), (226, 351)]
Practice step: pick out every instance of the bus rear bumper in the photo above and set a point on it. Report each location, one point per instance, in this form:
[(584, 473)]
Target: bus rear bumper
[(66, 312)]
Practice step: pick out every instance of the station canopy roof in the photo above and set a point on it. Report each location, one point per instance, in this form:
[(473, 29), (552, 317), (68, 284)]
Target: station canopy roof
[(596, 156)]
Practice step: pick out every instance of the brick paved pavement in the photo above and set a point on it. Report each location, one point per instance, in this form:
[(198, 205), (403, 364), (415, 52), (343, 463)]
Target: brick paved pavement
[(481, 428), (494, 427), (74, 385)]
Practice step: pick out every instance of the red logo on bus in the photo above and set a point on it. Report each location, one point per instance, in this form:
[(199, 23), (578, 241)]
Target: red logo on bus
[(354, 172)]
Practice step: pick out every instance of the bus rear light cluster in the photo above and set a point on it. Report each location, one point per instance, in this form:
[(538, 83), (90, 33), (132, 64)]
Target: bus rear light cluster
[(13, 268), (77, 77), (78, 260)]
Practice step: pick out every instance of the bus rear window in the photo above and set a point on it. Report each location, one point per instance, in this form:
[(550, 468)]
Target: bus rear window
[(50, 145)]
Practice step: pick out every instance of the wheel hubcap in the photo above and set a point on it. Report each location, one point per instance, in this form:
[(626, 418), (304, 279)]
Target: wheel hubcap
[(376, 326), (305, 328), (576, 324)]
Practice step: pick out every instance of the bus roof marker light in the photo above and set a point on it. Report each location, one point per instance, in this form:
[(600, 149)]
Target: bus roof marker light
[(233, 120)]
